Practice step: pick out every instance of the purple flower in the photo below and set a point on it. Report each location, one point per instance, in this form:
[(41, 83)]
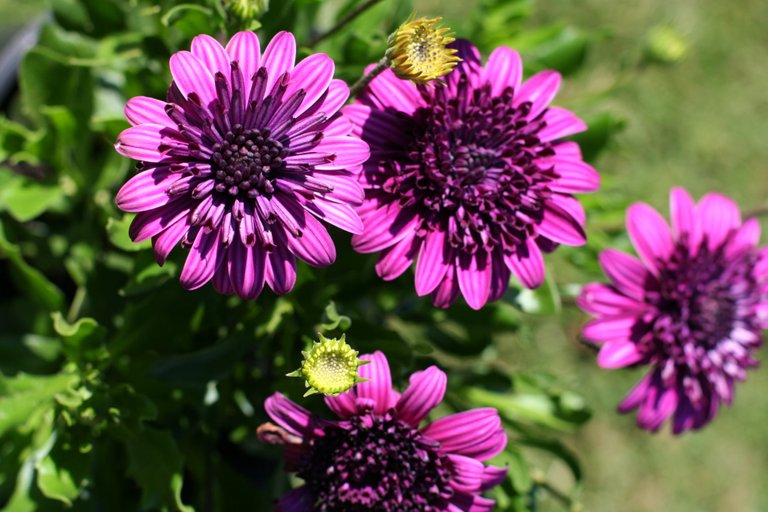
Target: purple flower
[(692, 308), (378, 457), (246, 154), (471, 180)]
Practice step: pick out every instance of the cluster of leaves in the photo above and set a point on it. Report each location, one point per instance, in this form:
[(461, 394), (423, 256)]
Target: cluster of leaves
[(121, 391)]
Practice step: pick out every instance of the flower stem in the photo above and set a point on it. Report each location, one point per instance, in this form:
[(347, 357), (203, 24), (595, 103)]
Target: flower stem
[(361, 84), (351, 15)]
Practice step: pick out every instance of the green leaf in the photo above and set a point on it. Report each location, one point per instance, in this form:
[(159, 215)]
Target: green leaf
[(155, 463), (27, 199), (31, 281), (602, 127), (22, 395), (197, 368), (83, 339), (149, 278), (117, 231), (56, 482)]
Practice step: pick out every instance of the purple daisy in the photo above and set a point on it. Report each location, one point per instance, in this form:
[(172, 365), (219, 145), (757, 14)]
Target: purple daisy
[(241, 161), (378, 457), (470, 179), (692, 308)]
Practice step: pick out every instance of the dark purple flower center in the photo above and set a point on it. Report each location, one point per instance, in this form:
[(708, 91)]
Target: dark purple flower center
[(705, 303), (246, 162), (476, 169), (376, 464)]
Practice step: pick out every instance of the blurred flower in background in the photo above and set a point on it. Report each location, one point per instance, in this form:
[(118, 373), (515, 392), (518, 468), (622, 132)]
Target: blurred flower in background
[(693, 308), (471, 180), (247, 152), (378, 457)]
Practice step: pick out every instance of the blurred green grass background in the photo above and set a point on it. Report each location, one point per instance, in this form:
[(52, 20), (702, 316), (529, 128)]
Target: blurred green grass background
[(701, 123)]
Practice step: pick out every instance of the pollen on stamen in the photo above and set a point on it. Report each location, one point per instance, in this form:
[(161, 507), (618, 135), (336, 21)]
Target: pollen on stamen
[(418, 50)]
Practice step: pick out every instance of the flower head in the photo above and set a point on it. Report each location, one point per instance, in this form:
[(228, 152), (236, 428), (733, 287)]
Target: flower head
[(418, 50), (470, 180), (329, 367), (692, 308), (241, 161), (379, 457)]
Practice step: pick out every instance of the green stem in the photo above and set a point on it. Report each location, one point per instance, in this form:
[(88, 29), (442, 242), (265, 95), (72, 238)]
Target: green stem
[(361, 84), (351, 15), (77, 304)]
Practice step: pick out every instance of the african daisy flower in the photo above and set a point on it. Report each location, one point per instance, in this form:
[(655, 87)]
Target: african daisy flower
[(471, 180), (241, 161), (692, 308), (378, 457)]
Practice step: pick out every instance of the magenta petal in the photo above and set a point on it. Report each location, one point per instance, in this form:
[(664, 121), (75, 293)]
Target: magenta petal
[(560, 123), (625, 272), (500, 275), (575, 177), (527, 264), (447, 291), (636, 396), (719, 216), (613, 329), (380, 125), (346, 152), (204, 257), (746, 237), (292, 417), (246, 269), (434, 261), (601, 299), (338, 94), (315, 246), (191, 76), (425, 391), (378, 386), (388, 91), (650, 235), (659, 405), (474, 276), (383, 228), (396, 259), (148, 224), (559, 226), (210, 52), (164, 243), (466, 473), (340, 215), (312, 75), (146, 191), (244, 49), (683, 215), (619, 354), (280, 270), (345, 188), (540, 89), (279, 57), (476, 433), (503, 69), (296, 500), (144, 110), (493, 476), (141, 142)]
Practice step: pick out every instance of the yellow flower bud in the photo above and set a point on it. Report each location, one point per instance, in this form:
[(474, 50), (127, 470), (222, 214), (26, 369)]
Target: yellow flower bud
[(329, 367), (418, 51)]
